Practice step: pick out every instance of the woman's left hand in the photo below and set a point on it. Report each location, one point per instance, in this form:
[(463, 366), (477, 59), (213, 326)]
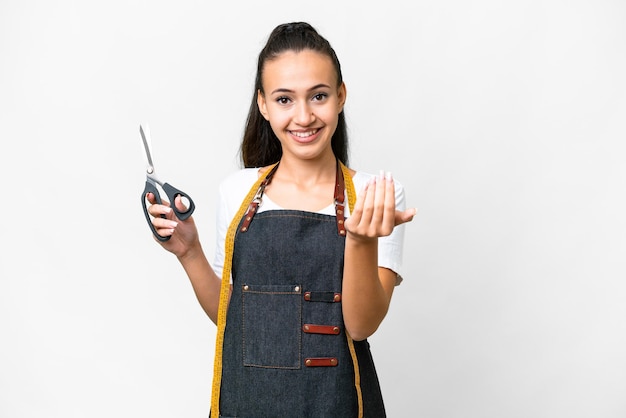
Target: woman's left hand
[(375, 213)]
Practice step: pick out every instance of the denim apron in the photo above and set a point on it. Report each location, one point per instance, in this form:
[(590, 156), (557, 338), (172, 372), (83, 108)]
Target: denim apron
[(285, 350)]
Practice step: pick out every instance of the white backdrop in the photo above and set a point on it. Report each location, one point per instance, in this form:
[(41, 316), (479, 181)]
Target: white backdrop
[(504, 121)]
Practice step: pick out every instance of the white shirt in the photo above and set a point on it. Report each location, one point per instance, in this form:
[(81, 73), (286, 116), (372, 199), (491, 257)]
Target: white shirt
[(234, 188)]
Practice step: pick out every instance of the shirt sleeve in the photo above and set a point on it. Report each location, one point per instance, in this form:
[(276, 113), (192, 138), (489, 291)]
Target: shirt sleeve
[(232, 190), (221, 227)]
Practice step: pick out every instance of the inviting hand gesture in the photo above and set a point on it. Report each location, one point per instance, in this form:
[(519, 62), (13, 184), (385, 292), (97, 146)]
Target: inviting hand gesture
[(375, 213)]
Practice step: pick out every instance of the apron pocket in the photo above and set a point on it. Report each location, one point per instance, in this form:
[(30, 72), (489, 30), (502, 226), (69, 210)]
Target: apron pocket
[(271, 329)]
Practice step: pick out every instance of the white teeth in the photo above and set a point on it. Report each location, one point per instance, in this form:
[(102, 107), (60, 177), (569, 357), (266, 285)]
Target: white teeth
[(304, 134)]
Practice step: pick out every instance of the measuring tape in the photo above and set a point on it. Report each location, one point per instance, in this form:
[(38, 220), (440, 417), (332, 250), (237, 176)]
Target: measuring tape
[(225, 293), (355, 361)]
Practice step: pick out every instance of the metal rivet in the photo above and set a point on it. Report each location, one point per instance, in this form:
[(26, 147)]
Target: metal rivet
[(339, 211), (337, 298), (296, 289), (336, 330), (244, 229), (333, 361), (248, 218), (340, 222), (342, 232), (246, 287), (307, 362), (306, 327)]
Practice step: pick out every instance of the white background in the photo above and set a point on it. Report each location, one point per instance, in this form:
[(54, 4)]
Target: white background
[(504, 121)]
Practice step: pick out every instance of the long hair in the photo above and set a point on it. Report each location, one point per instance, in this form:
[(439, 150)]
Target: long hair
[(260, 146)]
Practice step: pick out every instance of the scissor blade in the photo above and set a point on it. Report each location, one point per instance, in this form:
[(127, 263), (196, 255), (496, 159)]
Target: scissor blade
[(146, 145)]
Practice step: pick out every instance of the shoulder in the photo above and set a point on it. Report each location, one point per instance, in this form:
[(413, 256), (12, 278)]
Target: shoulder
[(235, 186), (240, 178), (360, 178)]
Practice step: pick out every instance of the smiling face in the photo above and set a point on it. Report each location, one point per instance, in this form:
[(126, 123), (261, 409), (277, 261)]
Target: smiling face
[(302, 102)]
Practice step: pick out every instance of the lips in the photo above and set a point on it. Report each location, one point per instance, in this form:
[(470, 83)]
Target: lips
[(305, 136)]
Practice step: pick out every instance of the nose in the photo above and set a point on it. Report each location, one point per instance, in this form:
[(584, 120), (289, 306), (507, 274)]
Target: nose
[(304, 114)]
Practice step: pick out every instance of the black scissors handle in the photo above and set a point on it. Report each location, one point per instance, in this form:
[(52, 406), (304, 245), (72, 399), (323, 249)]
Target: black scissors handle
[(171, 192)]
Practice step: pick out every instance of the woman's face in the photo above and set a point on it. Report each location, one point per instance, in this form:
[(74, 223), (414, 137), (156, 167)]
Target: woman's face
[(302, 102)]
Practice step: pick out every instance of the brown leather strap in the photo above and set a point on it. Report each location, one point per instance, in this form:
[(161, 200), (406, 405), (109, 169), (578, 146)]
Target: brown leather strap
[(321, 362), (340, 188), (321, 329), (258, 198), (331, 297), (249, 215)]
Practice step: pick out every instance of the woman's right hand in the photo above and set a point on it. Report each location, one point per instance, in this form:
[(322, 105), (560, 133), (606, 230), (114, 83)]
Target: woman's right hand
[(183, 234)]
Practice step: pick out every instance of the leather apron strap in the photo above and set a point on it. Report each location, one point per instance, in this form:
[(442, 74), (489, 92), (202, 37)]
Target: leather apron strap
[(339, 199)]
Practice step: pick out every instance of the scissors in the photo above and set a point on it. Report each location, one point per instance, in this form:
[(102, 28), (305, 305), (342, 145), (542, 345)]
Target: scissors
[(152, 186)]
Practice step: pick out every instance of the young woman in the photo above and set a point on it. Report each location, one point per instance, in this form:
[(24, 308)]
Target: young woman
[(305, 267)]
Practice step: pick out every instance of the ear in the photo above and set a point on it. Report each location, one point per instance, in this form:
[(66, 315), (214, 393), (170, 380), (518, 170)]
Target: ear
[(260, 101), (342, 94)]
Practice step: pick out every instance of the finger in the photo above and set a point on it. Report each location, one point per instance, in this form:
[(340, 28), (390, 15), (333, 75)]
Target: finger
[(357, 211), (151, 198), (180, 204), (369, 201), (163, 233), (157, 210), (164, 226), (383, 220), (379, 199), (389, 207), (404, 216)]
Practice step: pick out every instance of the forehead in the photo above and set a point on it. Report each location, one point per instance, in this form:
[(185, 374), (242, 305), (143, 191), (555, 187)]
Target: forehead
[(297, 69)]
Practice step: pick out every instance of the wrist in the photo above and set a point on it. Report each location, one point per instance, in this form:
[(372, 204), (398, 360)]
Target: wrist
[(193, 252), (360, 240)]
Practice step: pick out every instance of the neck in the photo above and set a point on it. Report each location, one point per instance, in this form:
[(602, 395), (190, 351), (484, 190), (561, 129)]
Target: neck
[(305, 172)]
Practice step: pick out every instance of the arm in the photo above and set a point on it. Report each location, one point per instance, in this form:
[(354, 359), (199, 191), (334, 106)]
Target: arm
[(367, 288), (185, 244)]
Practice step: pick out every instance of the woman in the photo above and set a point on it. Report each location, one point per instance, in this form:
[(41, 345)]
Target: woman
[(303, 280)]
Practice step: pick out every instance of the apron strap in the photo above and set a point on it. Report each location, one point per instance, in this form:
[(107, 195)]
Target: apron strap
[(339, 200), (256, 201), (340, 188)]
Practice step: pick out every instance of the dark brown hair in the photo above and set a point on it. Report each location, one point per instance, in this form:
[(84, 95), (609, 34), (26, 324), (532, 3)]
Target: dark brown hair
[(260, 146)]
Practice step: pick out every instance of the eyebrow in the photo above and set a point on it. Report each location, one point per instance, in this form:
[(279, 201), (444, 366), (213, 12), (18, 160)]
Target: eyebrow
[(315, 87)]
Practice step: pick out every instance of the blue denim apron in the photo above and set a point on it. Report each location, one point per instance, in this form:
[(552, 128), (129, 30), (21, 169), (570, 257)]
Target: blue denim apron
[(285, 350)]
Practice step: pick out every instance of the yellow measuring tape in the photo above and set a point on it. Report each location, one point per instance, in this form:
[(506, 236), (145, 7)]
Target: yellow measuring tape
[(355, 361), (225, 293)]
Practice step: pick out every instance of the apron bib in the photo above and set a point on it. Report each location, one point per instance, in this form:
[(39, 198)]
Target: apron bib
[(283, 349)]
